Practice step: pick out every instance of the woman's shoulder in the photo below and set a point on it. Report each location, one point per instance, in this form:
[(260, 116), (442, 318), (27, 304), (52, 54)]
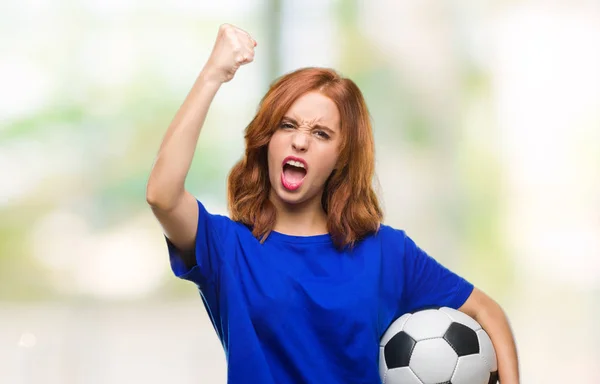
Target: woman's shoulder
[(389, 234), (387, 238), (220, 221)]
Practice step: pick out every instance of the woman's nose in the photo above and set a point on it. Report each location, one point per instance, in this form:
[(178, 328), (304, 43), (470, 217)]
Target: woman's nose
[(300, 141)]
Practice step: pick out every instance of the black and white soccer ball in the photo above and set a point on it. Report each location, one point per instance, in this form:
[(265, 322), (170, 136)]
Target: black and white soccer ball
[(437, 346)]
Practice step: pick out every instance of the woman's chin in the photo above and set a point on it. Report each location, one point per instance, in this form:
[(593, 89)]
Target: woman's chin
[(290, 198)]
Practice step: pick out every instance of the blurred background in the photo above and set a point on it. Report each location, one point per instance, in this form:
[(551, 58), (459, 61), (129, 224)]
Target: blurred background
[(487, 122)]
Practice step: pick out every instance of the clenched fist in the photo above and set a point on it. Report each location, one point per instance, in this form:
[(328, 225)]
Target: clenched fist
[(233, 48)]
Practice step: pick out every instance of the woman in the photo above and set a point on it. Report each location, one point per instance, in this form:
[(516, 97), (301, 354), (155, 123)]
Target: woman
[(304, 279)]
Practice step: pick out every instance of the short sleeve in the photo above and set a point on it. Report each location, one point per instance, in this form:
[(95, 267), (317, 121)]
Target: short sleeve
[(429, 283), (208, 248)]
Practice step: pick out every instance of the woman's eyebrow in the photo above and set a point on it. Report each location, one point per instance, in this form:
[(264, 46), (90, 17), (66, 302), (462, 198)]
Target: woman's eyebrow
[(319, 126)]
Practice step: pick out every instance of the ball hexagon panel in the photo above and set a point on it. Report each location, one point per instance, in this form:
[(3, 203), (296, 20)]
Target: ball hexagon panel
[(427, 324), (462, 339), (401, 375), (433, 360), (459, 317), (470, 369), (487, 350), (382, 365)]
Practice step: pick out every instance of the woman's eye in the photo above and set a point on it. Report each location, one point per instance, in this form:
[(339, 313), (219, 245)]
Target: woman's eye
[(286, 125), (322, 134)]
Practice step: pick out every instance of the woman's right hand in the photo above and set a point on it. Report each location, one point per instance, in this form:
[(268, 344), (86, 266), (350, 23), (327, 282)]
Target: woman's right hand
[(233, 48)]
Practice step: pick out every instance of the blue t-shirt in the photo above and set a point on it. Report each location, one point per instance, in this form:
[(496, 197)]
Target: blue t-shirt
[(296, 310)]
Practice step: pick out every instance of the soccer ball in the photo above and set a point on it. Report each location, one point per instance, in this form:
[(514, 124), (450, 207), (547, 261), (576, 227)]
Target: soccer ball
[(437, 346)]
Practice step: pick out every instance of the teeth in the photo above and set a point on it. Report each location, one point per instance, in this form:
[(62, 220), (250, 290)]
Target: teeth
[(295, 163)]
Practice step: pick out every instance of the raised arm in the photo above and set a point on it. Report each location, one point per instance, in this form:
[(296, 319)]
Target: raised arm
[(174, 207)]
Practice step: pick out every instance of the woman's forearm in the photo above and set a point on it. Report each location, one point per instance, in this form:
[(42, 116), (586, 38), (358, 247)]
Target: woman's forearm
[(495, 323), (171, 166)]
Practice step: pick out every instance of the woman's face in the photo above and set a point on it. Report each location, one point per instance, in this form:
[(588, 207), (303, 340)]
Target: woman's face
[(304, 149)]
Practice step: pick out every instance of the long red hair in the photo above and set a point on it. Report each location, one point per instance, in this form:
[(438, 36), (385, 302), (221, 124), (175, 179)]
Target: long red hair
[(349, 200)]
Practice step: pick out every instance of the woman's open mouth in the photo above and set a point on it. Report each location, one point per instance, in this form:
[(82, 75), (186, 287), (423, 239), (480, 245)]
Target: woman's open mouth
[(293, 173)]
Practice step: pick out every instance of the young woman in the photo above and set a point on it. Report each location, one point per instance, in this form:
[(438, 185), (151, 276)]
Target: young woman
[(303, 279)]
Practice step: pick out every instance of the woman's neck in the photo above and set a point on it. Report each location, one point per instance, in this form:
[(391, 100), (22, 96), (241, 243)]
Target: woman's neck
[(300, 225)]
